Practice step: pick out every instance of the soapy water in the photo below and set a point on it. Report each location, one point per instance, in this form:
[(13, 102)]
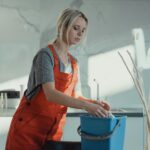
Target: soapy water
[(110, 115)]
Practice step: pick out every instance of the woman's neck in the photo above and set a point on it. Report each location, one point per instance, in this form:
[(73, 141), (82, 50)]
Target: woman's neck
[(60, 46), (62, 51)]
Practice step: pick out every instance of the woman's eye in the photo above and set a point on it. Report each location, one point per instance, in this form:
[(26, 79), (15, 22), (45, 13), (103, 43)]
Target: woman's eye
[(76, 28), (83, 31)]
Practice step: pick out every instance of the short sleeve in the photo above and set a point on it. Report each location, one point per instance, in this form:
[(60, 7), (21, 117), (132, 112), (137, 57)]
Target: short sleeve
[(41, 71), (43, 68)]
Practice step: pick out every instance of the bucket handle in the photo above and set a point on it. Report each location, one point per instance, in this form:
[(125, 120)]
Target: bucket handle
[(88, 136)]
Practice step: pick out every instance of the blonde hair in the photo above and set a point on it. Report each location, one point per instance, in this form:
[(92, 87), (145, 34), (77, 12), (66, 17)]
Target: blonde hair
[(65, 21)]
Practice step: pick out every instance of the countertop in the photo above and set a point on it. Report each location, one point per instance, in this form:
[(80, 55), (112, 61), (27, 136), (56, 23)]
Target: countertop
[(130, 112), (7, 112)]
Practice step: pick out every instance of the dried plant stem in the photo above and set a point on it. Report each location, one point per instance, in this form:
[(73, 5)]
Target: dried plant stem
[(137, 74), (140, 91)]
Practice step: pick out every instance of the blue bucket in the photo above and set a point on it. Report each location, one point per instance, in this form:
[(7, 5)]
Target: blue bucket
[(102, 133)]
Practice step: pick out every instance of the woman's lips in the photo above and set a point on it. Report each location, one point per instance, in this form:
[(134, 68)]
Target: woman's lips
[(77, 39)]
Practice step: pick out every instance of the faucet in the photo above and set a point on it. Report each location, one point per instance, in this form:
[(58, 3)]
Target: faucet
[(97, 89)]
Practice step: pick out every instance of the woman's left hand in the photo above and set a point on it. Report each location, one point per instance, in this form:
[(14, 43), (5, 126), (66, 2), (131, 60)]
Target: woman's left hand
[(102, 103)]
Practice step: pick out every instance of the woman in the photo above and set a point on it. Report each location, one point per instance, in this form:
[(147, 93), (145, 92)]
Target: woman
[(52, 87)]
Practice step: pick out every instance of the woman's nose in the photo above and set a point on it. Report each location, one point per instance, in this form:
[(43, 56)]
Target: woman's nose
[(79, 33)]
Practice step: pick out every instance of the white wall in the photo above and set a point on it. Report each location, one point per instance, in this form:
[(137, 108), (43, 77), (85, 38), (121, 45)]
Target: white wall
[(28, 25)]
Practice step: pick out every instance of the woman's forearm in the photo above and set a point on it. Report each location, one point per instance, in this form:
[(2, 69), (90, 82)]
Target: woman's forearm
[(79, 96), (58, 97)]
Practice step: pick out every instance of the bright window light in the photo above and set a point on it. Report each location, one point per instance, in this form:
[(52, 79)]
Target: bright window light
[(109, 72)]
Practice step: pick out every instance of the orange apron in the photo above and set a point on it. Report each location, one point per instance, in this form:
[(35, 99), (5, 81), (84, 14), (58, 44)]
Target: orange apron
[(39, 120)]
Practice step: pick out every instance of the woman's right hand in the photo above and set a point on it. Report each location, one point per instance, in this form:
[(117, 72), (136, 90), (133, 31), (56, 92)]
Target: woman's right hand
[(96, 110)]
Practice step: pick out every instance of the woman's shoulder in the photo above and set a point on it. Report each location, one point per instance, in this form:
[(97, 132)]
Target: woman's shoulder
[(44, 53), (45, 50)]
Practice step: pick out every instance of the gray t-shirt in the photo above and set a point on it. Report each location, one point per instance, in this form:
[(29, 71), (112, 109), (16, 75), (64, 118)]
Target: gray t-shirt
[(42, 72)]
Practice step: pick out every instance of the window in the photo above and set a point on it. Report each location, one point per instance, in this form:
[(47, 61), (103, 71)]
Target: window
[(110, 72)]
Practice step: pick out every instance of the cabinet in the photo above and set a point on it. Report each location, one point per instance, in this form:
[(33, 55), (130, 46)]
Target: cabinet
[(4, 127)]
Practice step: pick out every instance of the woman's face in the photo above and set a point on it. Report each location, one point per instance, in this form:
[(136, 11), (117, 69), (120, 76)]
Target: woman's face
[(77, 31)]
